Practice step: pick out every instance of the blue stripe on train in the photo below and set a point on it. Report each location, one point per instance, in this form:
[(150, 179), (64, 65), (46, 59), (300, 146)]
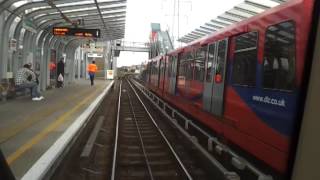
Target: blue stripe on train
[(275, 108)]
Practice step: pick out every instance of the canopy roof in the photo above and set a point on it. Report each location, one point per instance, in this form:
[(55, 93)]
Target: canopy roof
[(240, 12), (107, 15)]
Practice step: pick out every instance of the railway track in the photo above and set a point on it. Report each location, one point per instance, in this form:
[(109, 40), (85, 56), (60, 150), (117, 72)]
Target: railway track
[(127, 143), (142, 151), (226, 163)]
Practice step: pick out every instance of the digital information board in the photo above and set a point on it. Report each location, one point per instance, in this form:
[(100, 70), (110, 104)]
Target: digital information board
[(65, 31)]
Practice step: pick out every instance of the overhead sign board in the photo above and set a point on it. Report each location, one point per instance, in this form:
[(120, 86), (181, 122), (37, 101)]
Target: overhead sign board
[(65, 31), (95, 55)]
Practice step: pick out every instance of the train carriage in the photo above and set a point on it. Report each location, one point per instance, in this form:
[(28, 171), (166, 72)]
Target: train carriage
[(244, 82)]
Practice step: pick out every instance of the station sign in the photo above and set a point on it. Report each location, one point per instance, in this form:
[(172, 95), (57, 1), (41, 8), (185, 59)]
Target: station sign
[(65, 31), (95, 55), (110, 74)]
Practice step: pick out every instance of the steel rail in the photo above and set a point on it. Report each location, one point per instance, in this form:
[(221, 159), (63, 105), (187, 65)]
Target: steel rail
[(140, 138), (162, 134), (116, 138)]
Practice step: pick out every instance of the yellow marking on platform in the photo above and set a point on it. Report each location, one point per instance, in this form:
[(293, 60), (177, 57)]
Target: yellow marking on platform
[(7, 133), (43, 134)]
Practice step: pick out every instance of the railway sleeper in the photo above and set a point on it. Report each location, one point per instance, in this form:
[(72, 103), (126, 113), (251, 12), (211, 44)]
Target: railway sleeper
[(144, 174)]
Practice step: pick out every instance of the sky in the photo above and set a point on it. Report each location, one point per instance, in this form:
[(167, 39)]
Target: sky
[(192, 14)]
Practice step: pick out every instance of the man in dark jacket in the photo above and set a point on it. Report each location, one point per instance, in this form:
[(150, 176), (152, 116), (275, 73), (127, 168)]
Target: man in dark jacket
[(60, 71)]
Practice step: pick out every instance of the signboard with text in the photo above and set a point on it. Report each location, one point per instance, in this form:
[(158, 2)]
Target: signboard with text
[(65, 31), (95, 55), (109, 74)]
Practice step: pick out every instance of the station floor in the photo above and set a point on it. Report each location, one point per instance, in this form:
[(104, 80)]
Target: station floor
[(28, 128)]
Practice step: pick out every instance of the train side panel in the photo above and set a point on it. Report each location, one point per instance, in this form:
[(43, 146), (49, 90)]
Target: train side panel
[(264, 71)]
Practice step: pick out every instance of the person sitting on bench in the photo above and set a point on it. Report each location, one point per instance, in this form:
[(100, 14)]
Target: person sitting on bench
[(26, 78)]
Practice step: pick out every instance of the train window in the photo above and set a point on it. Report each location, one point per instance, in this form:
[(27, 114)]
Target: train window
[(182, 69), (189, 70), (189, 55), (245, 59), (186, 70), (199, 64), (200, 53), (221, 58), (162, 67), (279, 57), (174, 66), (157, 64), (155, 68), (170, 66), (210, 61)]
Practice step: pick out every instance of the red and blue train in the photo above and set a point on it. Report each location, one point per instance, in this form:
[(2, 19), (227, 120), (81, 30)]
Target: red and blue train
[(244, 81)]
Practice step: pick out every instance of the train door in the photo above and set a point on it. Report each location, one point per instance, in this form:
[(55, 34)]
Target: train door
[(215, 78), (162, 68), (157, 77), (173, 75)]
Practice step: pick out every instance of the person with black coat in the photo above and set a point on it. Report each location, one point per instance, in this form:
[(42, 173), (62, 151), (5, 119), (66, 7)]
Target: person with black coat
[(60, 73)]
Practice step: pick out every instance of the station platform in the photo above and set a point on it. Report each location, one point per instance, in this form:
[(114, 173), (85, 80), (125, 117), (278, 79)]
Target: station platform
[(29, 128)]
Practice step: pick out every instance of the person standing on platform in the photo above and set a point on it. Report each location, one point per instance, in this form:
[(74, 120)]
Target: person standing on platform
[(92, 69), (60, 73), (25, 78)]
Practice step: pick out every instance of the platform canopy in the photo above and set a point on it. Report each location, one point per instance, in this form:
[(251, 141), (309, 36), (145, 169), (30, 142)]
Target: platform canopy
[(238, 13), (107, 15)]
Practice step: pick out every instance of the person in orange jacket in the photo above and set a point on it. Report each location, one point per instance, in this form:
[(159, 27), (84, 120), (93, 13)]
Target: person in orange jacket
[(92, 69)]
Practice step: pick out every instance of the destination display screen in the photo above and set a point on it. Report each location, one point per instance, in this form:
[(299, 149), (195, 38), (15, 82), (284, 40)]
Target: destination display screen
[(65, 31)]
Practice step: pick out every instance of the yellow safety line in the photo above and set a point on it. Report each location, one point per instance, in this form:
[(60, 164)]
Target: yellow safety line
[(35, 117), (43, 134)]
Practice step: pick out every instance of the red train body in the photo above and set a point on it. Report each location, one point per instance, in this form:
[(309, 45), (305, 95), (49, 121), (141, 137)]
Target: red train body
[(244, 81)]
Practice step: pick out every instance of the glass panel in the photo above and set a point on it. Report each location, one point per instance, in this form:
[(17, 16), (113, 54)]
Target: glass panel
[(245, 59), (170, 66), (279, 57), (199, 64), (163, 67), (189, 70), (246, 41), (210, 62), (200, 53), (189, 55), (174, 68), (79, 9), (19, 3), (221, 58), (182, 69), (75, 3)]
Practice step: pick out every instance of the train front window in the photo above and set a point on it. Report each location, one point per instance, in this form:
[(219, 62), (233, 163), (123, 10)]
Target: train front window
[(279, 57), (245, 59)]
